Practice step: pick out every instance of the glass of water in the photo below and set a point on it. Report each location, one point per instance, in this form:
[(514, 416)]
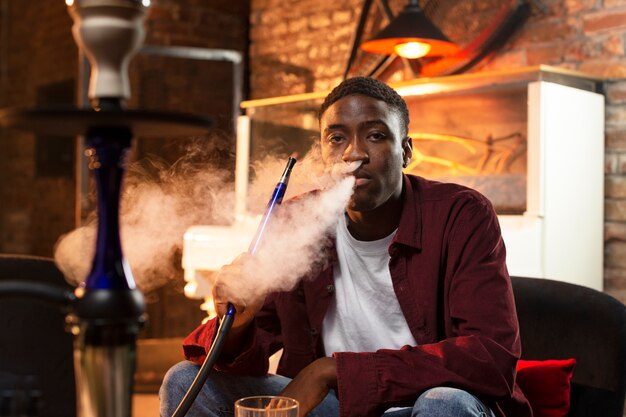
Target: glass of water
[(266, 406)]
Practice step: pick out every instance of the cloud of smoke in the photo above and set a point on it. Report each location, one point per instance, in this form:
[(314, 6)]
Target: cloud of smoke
[(296, 240), (160, 202)]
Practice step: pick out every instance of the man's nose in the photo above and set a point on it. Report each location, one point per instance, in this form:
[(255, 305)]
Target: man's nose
[(354, 151)]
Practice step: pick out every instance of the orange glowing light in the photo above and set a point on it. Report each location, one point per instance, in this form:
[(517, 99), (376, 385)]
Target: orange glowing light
[(412, 50)]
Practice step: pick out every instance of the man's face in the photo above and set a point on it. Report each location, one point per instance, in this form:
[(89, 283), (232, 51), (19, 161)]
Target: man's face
[(362, 128)]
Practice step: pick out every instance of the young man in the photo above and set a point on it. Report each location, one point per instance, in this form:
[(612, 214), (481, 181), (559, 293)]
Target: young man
[(414, 317)]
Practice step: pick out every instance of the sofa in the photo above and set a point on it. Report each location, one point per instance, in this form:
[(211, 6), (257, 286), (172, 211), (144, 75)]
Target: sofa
[(561, 321)]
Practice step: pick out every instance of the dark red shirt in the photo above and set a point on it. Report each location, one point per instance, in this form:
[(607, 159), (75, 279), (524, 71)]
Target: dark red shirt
[(449, 274)]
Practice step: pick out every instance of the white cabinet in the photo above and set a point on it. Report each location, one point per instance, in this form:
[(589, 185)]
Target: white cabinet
[(560, 236)]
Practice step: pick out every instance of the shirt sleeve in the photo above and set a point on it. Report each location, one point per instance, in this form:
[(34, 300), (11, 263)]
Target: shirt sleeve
[(480, 345), (258, 345)]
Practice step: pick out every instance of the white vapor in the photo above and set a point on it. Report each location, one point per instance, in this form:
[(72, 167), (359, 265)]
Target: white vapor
[(159, 203), (296, 240)]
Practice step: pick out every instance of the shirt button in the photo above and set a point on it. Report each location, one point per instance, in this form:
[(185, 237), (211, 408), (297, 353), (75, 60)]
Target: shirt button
[(330, 288), (313, 332)]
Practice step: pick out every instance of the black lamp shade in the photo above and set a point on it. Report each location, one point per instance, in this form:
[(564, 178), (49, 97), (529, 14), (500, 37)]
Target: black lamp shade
[(411, 25)]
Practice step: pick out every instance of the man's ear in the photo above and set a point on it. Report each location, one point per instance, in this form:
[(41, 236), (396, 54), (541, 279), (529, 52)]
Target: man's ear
[(407, 151)]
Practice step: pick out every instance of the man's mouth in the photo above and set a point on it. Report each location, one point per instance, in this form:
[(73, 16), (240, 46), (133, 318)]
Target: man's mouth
[(361, 179)]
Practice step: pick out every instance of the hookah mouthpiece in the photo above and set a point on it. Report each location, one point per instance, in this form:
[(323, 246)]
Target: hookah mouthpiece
[(284, 179), (277, 198)]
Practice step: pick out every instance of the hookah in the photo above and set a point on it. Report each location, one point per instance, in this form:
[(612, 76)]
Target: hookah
[(107, 310)]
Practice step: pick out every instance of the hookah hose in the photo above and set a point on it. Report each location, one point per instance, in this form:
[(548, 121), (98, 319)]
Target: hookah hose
[(227, 321)]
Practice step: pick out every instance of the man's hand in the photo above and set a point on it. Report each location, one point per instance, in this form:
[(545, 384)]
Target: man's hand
[(232, 286), (312, 384)]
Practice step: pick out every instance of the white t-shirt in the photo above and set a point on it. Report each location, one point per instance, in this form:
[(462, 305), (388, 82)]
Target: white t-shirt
[(364, 315)]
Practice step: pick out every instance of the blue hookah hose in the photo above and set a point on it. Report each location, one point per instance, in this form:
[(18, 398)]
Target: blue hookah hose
[(227, 321)]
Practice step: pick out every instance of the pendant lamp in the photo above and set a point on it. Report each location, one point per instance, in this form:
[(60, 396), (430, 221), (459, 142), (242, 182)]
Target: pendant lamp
[(411, 35)]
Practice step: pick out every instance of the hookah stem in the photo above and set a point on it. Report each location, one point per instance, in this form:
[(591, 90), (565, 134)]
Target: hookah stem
[(109, 312), (227, 322)]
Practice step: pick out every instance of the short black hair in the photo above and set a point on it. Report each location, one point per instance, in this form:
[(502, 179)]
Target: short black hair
[(370, 87)]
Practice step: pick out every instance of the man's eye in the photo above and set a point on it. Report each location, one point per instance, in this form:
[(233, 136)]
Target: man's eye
[(376, 135), (335, 138)]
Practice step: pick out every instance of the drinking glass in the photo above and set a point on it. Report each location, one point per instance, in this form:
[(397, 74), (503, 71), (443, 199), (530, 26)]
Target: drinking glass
[(266, 406)]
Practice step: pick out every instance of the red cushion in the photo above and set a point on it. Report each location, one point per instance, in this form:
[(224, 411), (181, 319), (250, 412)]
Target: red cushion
[(546, 385)]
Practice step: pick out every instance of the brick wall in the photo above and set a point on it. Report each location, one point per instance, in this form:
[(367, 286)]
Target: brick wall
[(37, 50), (305, 47), (299, 47), (615, 190)]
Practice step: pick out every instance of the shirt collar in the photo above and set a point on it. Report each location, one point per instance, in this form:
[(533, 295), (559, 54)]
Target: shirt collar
[(410, 226)]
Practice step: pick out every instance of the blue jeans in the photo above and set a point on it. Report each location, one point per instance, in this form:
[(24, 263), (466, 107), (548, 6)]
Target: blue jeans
[(221, 390)]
